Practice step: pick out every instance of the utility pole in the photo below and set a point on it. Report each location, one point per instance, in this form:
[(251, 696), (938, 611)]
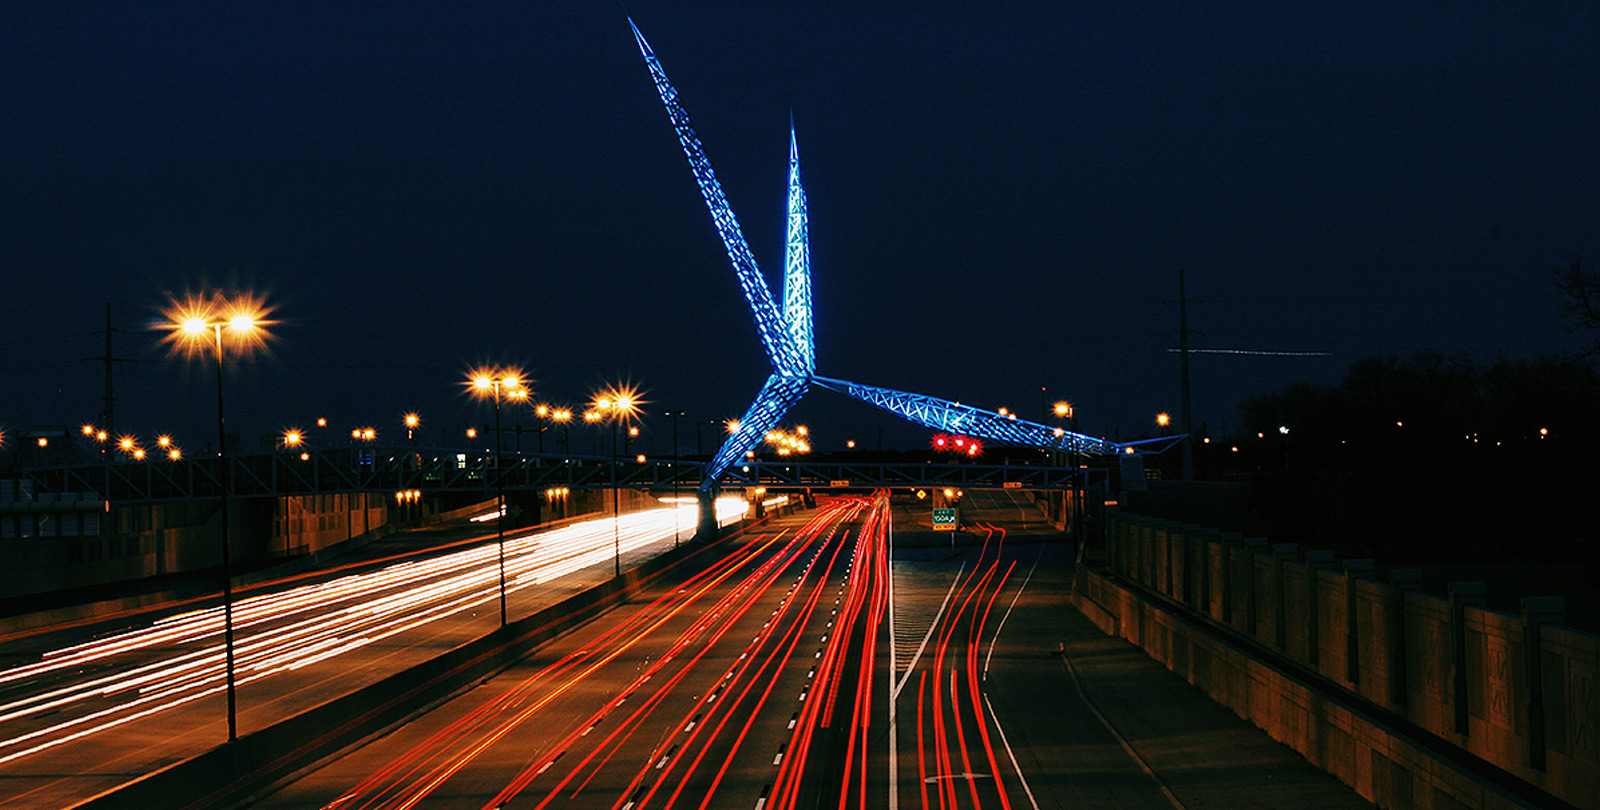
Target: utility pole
[(1184, 415), (110, 399)]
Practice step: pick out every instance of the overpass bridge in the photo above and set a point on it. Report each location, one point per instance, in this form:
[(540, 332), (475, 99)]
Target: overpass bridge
[(434, 470)]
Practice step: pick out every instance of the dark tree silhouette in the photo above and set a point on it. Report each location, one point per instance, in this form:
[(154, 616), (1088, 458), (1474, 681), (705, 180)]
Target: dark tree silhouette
[(1579, 286), (1433, 457)]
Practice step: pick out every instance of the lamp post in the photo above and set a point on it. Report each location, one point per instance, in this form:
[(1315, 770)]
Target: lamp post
[(1064, 410), (195, 323), (494, 384), (518, 395), (616, 507), (615, 405), (675, 471), (563, 416), (543, 412)]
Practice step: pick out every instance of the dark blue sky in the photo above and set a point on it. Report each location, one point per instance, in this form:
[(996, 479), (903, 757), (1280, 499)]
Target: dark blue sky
[(1001, 195)]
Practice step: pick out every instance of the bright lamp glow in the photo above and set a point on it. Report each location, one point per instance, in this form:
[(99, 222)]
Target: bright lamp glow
[(621, 402), (207, 322)]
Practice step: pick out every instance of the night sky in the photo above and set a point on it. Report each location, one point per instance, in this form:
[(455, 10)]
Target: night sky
[(1001, 195)]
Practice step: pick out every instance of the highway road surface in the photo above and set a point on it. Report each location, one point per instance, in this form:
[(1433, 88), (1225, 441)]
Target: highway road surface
[(88, 707), (827, 660)]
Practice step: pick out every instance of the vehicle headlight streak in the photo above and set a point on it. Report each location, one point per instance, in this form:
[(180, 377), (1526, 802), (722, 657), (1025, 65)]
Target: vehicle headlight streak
[(139, 673)]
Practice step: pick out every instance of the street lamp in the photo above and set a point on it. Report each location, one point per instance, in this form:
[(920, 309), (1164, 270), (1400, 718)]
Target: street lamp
[(543, 412), (564, 417), (487, 383), (1065, 410), (197, 325), (615, 405), (675, 472), (517, 395), (412, 421)]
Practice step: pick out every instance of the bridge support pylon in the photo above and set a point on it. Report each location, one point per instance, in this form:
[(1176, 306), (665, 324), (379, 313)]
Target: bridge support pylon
[(706, 528)]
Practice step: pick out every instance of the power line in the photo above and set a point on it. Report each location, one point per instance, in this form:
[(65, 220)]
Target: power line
[(1251, 352)]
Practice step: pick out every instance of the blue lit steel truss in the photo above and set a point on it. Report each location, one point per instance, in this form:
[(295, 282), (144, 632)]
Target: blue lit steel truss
[(797, 266), (788, 334), (780, 393), (770, 323), (953, 417)]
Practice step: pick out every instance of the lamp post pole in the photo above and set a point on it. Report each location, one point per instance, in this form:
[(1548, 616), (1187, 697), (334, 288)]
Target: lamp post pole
[(495, 383), (616, 503), (195, 322), (543, 412), (227, 554), (675, 473), (1079, 490), (500, 503)]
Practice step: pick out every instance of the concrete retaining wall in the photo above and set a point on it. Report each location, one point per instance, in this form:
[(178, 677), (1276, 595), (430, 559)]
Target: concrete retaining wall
[(1415, 700)]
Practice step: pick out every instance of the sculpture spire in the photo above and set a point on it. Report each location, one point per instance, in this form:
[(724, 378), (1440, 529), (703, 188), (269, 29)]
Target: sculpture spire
[(788, 334), (797, 266), (770, 324)]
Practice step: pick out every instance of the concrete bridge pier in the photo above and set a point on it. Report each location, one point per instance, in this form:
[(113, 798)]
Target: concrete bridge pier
[(706, 529)]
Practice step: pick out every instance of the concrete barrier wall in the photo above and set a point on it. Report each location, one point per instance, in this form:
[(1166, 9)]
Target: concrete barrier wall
[(1426, 624), (1386, 767), (1572, 738), (1416, 700)]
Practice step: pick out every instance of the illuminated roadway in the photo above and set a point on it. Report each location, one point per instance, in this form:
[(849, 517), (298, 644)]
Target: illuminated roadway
[(825, 659), (85, 709), (764, 678), (744, 684)]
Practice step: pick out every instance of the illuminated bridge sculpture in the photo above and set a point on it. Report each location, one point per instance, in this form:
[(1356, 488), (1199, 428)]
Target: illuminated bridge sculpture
[(787, 333)]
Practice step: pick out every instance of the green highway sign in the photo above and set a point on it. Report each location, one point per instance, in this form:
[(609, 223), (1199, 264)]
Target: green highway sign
[(944, 520)]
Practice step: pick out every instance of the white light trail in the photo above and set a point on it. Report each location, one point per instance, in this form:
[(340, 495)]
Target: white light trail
[(96, 685)]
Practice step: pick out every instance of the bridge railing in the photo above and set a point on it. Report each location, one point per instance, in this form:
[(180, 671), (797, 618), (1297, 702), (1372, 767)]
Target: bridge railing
[(369, 469)]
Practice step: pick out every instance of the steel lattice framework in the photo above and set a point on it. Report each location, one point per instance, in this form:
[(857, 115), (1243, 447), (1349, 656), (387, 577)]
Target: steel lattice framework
[(942, 414), (797, 267), (780, 393), (788, 335), (782, 351)]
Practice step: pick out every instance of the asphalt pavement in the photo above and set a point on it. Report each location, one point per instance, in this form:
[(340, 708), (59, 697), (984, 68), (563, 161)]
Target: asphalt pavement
[(88, 707), (1037, 707)]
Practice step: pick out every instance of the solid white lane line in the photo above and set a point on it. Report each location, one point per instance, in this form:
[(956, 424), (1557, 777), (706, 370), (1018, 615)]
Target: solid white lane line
[(1002, 624), (1143, 766), (1009, 753)]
